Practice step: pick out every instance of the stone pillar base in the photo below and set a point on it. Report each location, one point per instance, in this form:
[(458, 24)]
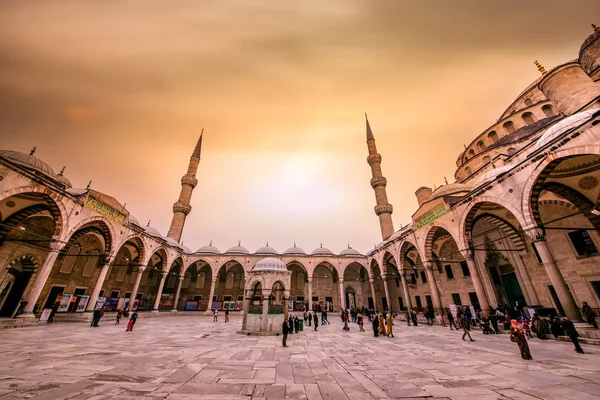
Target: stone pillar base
[(26, 315)]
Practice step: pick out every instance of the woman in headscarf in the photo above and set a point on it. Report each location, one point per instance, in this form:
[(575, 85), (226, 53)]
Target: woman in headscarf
[(541, 326), (382, 325), (518, 336), (389, 323), (375, 323)]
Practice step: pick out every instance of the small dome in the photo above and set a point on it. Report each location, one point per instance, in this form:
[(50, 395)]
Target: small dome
[(133, 220), (172, 241), (239, 249), (29, 162), (210, 249), (77, 191), (561, 127), (270, 264), (491, 174), (151, 231), (450, 189), (64, 181), (294, 250), (186, 249), (349, 252), (266, 250), (322, 251)]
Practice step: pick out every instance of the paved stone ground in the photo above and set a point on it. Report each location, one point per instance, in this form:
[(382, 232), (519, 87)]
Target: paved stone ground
[(191, 357)]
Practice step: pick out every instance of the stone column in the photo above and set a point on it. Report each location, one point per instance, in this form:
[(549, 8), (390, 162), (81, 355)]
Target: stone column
[(558, 281), (40, 281), (286, 306), (99, 282), (177, 293), (477, 283), (342, 299), (435, 294), (387, 292), (159, 292), (136, 287), (246, 308), (265, 313), (371, 280), (405, 289), (310, 303), (212, 293)]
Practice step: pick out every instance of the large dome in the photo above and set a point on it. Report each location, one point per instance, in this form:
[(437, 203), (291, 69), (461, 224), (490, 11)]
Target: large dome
[(294, 250), (208, 249), (349, 252), (29, 162), (239, 249), (266, 250), (561, 127), (322, 251), (270, 264)]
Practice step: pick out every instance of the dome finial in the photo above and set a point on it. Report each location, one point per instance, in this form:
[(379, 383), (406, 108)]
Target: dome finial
[(321, 244), (267, 243), (294, 243), (61, 171), (446, 180), (595, 28), (540, 67), (210, 244), (88, 185), (148, 224), (239, 242), (349, 246), (32, 152)]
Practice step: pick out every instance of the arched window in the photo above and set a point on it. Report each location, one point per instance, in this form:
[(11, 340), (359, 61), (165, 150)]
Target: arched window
[(229, 282), (171, 281), (471, 153), (487, 159), (528, 118), (201, 280), (466, 159), (69, 260), (186, 280), (509, 127), (300, 281), (548, 110), (468, 171), (493, 136), (90, 264), (528, 102), (511, 151), (480, 145)]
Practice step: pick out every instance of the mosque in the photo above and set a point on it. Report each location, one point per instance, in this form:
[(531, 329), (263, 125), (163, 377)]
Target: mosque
[(520, 224)]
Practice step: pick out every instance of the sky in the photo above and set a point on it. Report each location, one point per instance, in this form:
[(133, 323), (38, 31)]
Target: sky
[(118, 92)]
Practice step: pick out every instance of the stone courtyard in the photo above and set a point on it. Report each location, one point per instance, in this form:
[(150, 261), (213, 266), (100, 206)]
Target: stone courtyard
[(192, 357)]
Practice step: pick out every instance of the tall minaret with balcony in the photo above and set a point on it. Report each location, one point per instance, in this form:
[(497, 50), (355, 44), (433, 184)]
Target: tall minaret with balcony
[(182, 207), (383, 209)]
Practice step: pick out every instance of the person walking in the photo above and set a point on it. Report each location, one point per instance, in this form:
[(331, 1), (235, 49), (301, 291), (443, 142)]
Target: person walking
[(360, 320), (526, 328), (413, 315), (95, 315), (451, 320), (408, 316), (375, 323), (494, 321), (345, 318), (310, 317), (572, 333), (590, 315), (227, 315), (296, 323), (22, 305), (464, 324), (119, 315), (541, 326), (215, 315), (430, 315), (316, 320), (518, 336), (284, 332), (382, 331), (132, 320), (389, 322), (291, 323)]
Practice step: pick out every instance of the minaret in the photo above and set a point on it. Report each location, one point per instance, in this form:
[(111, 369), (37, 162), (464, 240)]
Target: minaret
[(182, 207), (383, 209)]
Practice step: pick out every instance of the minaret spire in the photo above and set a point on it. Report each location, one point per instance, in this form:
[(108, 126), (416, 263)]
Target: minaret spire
[(383, 209), (182, 207)]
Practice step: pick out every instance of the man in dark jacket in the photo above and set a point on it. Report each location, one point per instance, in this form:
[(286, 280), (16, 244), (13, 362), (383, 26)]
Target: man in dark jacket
[(572, 333), (291, 323), (316, 320), (284, 332), (590, 315)]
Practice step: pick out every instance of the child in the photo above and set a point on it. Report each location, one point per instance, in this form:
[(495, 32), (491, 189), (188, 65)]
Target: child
[(119, 314), (526, 328), (215, 315)]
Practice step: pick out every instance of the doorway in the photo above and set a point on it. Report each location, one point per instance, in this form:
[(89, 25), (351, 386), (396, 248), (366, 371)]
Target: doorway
[(506, 285), (350, 297), (13, 291)]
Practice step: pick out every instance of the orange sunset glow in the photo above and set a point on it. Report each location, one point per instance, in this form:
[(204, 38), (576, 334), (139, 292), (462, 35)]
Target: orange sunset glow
[(118, 92)]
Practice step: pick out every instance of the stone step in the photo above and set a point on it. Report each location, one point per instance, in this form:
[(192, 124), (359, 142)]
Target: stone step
[(8, 323)]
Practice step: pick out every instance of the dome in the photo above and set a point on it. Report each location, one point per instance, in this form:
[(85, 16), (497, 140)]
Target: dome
[(349, 252), (323, 251), (238, 249), (449, 189), (491, 174), (186, 249), (172, 241), (77, 191), (133, 220), (294, 250), (151, 231), (266, 250), (208, 249), (270, 264), (29, 162), (561, 127), (61, 178)]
